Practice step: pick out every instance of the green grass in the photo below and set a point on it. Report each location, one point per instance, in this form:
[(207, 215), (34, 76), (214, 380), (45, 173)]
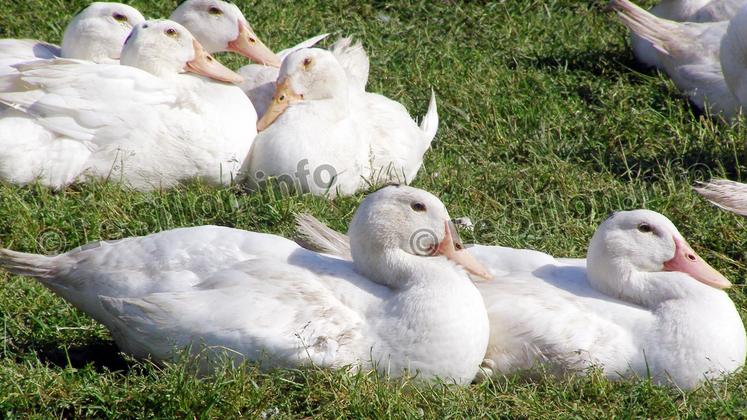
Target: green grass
[(547, 125)]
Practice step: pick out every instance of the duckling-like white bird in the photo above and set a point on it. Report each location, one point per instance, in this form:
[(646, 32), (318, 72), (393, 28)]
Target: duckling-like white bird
[(683, 11), (400, 305), (221, 27), (705, 60), (96, 34), (144, 123), (643, 302), (319, 137)]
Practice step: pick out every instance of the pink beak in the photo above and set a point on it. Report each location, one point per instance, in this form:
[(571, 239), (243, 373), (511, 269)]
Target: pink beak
[(685, 260), (448, 249)]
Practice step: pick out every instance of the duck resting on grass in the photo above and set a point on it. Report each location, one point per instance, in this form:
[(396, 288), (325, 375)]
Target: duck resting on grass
[(698, 11), (146, 123), (344, 139), (704, 60), (96, 34), (401, 305), (643, 302)]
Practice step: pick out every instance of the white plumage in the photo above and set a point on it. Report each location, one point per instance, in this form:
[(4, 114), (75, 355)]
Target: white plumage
[(265, 298), (643, 302), (143, 123), (96, 34), (322, 121), (705, 60), (698, 11)]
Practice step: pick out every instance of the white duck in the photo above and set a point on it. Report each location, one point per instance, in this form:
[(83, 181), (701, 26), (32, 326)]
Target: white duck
[(683, 11), (395, 307), (97, 34), (705, 60), (221, 27), (259, 81), (144, 122), (642, 302), (317, 137)]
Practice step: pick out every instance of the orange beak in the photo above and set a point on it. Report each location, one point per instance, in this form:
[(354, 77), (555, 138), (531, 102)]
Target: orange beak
[(685, 260), (281, 100), (249, 45), (448, 248), (205, 65)]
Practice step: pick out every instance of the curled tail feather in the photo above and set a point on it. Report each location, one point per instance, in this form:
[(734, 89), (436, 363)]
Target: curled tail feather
[(429, 124)]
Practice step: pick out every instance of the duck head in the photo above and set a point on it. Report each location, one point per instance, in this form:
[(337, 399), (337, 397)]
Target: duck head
[(398, 231), (220, 27), (98, 32), (165, 48), (310, 74), (640, 256)]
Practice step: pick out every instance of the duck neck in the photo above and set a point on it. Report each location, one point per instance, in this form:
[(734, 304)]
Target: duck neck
[(399, 270), (334, 108), (647, 289)]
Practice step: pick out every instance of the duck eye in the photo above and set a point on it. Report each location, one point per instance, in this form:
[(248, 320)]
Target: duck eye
[(119, 17), (170, 32), (645, 228), (306, 62), (215, 11), (418, 206)]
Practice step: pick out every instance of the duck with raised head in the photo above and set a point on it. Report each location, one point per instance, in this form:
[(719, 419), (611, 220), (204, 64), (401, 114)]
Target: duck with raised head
[(399, 306), (96, 34), (147, 122), (316, 122), (642, 303)]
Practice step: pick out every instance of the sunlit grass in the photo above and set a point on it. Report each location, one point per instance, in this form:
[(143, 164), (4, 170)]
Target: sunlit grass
[(547, 125)]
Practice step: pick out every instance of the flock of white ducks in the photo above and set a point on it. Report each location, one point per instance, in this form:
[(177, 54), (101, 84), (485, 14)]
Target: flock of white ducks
[(145, 103), (642, 303)]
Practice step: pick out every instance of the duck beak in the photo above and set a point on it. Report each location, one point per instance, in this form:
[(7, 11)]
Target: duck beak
[(205, 65), (249, 45), (283, 97), (685, 260), (452, 248)]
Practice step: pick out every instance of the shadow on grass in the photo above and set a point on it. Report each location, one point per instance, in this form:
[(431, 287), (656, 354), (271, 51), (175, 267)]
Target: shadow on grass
[(102, 356), (602, 63)]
